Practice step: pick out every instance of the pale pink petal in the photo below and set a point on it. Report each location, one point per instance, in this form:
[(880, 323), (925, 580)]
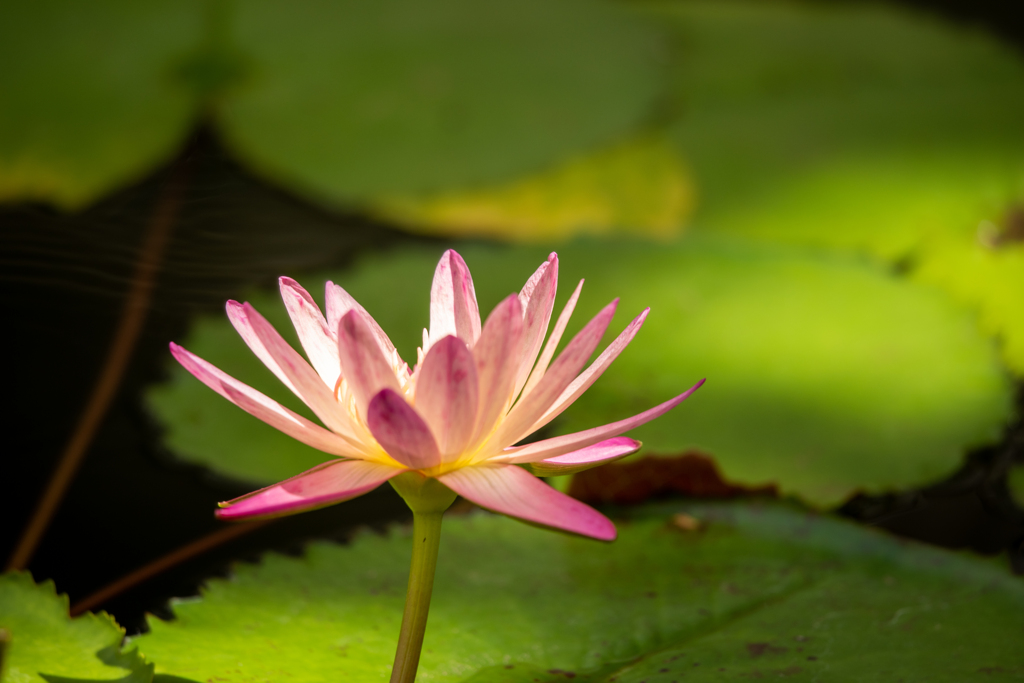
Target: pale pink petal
[(537, 300), (513, 491), (559, 445), (453, 307), (291, 368), (363, 364), (447, 394), (326, 484), (499, 342), (531, 406), (587, 378), (552, 344), (340, 302), (401, 431), (601, 453), (319, 342), (266, 409)]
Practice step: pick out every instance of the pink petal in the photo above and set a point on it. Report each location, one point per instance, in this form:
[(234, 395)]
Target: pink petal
[(559, 445), (531, 406), (326, 484), (447, 394), (585, 458), (320, 344), (340, 302), (289, 366), (363, 364), (453, 307), (537, 299), (258, 405), (495, 351), (513, 491), (401, 432), (552, 344), (590, 375)]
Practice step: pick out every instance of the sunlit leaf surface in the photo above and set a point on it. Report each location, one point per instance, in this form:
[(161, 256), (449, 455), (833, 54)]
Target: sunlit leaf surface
[(861, 127), (91, 94), (48, 646), (825, 374), (761, 591), (639, 186), (354, 99)]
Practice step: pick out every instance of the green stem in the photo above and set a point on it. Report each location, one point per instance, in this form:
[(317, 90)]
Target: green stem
[(428, 499), (426, 537)]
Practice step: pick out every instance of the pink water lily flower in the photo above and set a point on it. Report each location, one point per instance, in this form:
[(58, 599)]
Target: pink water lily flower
[(476, 391)]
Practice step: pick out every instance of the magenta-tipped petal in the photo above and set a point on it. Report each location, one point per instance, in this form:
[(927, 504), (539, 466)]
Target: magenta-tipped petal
[(513, 491), (326, 484), (363, 364), (560, 445), (453, 306), (401, 431), (447, 394), (317, 339), (572, 359), (538, 300), (500, 340), (601, 453), (264, 408), (340, 302), (556, 336), (587, 378)]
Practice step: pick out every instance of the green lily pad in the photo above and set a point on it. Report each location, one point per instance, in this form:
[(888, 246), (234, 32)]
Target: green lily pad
[(351, 100), (90, 96), (826, 375), (860, 127), (47, 646), (763, 590), (1015, 481)]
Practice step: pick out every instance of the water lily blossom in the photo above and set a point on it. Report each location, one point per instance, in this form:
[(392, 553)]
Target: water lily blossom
[(477, 390)]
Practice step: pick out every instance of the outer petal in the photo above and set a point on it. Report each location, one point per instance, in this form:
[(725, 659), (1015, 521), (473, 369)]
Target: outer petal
[(590, 375), (585, 458), (513, 491), (318, 341), (537, 299), (258, 405), (499, 344), (363, 364), (560, 445), (340, 302), (290, 367), (447, 394), (556, 336), (531, 406), (401, 431), (453, 307), (326, 484)]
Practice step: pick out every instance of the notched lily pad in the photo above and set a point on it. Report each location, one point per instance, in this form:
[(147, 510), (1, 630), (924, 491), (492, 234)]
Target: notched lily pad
[(760, 590)]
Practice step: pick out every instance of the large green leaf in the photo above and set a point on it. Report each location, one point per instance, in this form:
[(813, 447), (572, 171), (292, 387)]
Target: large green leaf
[(825, 374), (90, 94), (863, 127), (349, 100), (47, 646), (763, 590)]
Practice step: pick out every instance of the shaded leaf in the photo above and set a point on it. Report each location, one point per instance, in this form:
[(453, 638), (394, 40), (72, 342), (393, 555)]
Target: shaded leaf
[(90, 93), (827, 376), (762, 589), (1015, 481), (637, 186)]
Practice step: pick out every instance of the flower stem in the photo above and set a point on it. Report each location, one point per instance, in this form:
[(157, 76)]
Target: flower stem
[(426, 537)]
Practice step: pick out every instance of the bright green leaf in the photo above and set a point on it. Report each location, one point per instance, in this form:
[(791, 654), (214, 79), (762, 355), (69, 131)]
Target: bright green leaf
[(47, 646), (351, 100), (825, 374), (863, 127), (763, 589), (90, 96)]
